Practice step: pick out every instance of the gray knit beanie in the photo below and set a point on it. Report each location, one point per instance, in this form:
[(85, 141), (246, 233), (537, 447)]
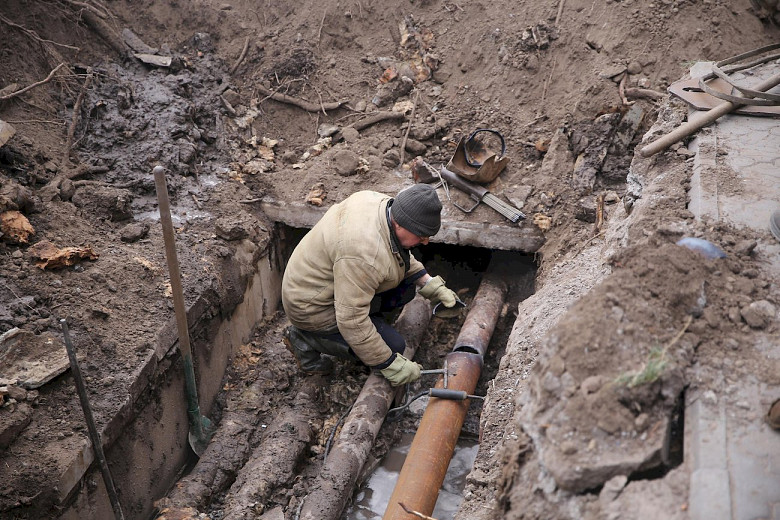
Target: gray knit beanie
[(418, 209)]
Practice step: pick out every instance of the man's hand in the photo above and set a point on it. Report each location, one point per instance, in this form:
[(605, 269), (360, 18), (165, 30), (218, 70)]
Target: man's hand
[(436, 292), (401, 371)]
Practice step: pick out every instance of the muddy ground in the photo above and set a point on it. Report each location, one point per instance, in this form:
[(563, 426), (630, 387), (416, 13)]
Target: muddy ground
[(554, 78)]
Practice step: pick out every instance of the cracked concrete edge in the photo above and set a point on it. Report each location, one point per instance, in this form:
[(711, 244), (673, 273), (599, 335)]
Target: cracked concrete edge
[(584, 270)]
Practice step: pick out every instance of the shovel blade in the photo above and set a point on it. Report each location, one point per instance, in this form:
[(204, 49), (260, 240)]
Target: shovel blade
[(200, 440)]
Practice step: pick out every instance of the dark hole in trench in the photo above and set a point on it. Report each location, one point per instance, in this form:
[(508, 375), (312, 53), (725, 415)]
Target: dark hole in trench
[(672, 452), (463, 268)]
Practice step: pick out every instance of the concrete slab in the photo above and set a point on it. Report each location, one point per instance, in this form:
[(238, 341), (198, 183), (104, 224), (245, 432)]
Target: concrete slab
[(737, 167), (734, 456), (522, 236)]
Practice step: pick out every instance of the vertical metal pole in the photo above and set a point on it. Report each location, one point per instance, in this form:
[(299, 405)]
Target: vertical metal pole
[(199, 436), (94, 436)]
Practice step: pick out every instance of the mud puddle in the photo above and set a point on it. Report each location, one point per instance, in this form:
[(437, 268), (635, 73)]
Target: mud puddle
[(371, 501)]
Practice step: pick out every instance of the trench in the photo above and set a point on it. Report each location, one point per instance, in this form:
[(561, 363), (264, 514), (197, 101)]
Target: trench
[(148, 452)]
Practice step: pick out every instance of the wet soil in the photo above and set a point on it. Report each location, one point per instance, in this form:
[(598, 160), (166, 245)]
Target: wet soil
[(549, 77)]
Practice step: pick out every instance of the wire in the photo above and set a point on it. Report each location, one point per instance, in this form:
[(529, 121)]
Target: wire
[(333, 431), (394, 414)]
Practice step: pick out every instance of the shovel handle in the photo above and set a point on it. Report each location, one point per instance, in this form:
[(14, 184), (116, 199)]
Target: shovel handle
[(193, 407), (703, 120)]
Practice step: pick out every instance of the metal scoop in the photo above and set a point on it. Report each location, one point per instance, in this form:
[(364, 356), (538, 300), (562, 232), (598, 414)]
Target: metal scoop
[(441, 311)]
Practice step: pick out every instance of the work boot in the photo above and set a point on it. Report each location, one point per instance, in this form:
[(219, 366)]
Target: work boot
[(331, 347), (308, 358)]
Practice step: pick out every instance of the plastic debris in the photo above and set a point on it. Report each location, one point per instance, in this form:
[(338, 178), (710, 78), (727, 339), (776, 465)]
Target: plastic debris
[(706, 248)]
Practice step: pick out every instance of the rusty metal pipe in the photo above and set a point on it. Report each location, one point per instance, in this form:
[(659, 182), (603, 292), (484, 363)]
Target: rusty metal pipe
[(482, 318), (434, 443)]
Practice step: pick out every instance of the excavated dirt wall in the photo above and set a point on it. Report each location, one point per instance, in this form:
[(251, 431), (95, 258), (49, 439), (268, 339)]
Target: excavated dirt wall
[(146, 444)]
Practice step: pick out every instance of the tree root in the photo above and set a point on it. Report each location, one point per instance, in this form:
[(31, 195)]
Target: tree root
[(307, 106), (32, 86)]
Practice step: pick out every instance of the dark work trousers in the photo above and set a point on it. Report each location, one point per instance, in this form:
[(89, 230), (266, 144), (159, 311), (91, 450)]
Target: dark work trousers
[(382, 305)]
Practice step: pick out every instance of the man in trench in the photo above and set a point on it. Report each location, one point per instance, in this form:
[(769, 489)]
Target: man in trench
[(353, 266)]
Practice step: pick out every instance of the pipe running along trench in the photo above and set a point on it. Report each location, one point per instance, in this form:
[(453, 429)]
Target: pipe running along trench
[(429, 456)]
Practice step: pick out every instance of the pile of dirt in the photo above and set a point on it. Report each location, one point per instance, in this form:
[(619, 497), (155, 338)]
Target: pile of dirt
[(243, 103)]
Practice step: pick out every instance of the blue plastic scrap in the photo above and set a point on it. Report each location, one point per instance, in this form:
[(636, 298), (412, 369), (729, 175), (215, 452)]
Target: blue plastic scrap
[(706, 248)]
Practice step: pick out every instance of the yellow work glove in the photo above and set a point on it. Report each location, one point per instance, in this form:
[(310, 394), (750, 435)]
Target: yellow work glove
[(401, 371), (435, 290)]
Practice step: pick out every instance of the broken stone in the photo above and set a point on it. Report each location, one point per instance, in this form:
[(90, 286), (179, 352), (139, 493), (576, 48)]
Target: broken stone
[(187, 151), (389, 92), (590, 161), (634, 68), (16, 392), (134, 232), (391, 159), (404, 107), (684, 152), (15, 196), (551, 383), (232, 97), (612, 488), (641, 422), (274, 514), (611, 197), (256, 166), (231, 228), (424, 132), (317, 194), (595, 44), (586, 209), (105, 201), (569, 384), (153, 59), (759, 314), (9, 89), (518, 194), (416, 147), (346, 162), (592, 384), (31, 360), (542, 221), (568, 448), (745, 247), (327, 129), (6, 132), (360, 106), (350, 134), (67, 190)]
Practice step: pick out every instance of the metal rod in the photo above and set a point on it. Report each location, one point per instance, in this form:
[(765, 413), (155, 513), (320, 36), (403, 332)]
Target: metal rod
[(94, 436), (198, 437), (434, 443)]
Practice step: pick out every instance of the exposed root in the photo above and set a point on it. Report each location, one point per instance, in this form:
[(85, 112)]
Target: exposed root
[(36, 84), (240, 57), (307, 106)]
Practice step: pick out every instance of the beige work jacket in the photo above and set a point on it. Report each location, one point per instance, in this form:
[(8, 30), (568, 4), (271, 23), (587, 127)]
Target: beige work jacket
[(337, 269)]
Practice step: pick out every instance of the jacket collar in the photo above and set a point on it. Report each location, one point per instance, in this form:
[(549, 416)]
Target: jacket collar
[(395, 245)]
